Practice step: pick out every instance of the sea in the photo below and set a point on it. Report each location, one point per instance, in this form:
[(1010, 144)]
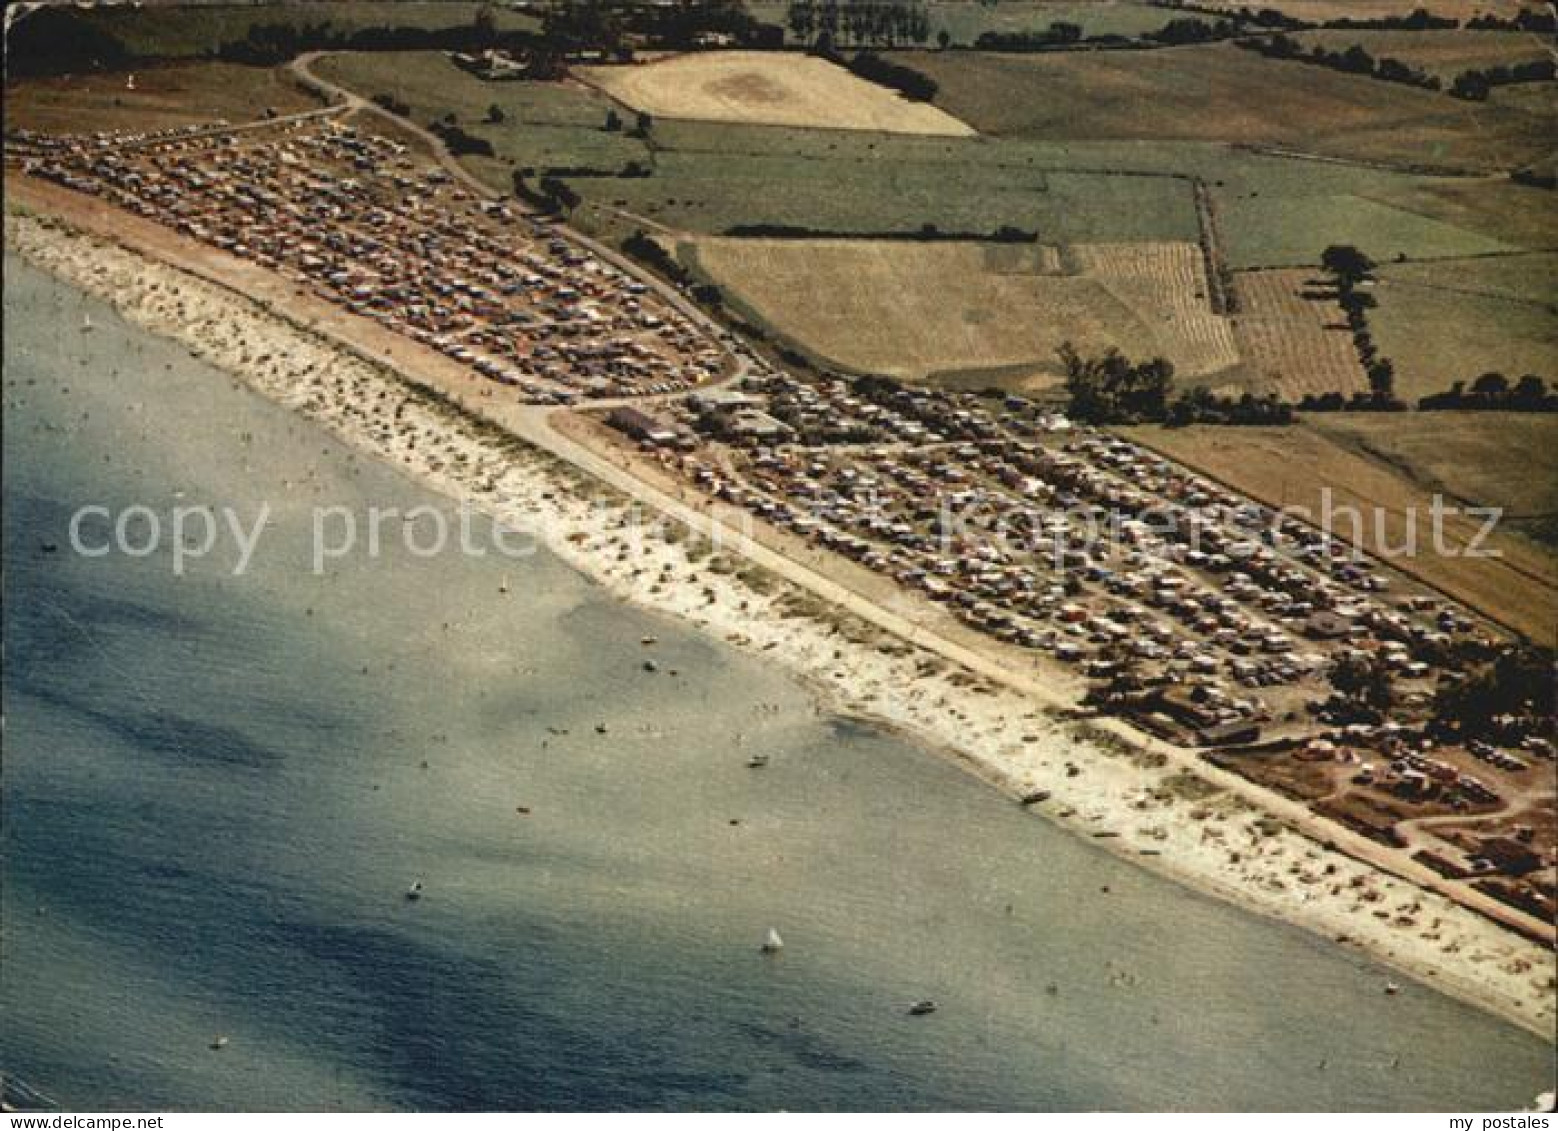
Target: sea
[(220, 786)]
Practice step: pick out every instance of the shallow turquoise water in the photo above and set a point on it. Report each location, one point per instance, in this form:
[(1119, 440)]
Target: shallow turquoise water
[(217, 790)]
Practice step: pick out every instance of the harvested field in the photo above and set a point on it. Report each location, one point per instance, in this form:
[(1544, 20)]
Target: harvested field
[(181, 94), (1300, 466), (771, 89), (1165, 284), (922, 309), (1294, 336), (1221, 93)]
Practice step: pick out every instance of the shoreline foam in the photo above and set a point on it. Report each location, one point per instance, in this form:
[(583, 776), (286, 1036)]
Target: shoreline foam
[(1096, 783)]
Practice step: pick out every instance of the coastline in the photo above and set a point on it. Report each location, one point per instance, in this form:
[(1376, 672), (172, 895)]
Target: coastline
[(1096, 783)]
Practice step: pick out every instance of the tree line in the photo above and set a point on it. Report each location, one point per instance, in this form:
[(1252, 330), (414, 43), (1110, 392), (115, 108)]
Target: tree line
[(1112, 389), (882, 23), (906, 81), (1495, 391)]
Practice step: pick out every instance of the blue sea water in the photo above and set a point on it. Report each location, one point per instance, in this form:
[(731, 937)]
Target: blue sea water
[(217, 789)]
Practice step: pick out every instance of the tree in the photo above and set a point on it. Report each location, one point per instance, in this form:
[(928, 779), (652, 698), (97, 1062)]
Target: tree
[(613, 120), (484, 25), (1363, 680), (1347, 263), (1530, 390), (643, 124), (1382, 376), (1110, 389), (944, 39), (494, 114), (1518, 682), (802, 19), (1491, 385)]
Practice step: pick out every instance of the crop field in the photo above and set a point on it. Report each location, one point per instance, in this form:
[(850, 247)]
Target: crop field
[(162, 96), (1219, 92), (1301, 466), (1164, 285), (1294, 337), (1445, 53), (923, 309), (546, 125), (1445, 322), (190, 30), (767, 88)]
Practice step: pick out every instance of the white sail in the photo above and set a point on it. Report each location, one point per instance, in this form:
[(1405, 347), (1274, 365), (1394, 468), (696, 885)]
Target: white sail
[(773, 942)]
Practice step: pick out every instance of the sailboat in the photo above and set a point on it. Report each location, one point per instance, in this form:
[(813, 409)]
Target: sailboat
[(773, 944), (415, 890), (86, 323), (503, 586)]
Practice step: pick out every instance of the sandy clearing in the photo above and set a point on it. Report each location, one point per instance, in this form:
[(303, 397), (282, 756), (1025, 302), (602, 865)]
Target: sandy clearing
[(768, 89)]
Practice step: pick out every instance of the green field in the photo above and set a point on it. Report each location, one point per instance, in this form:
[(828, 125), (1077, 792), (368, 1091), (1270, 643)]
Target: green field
[(545, 125), (715, 192), (1292, 231), (182, 31), (1446, 322)]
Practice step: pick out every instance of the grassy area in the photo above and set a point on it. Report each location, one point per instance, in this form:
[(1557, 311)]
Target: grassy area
[(1444, 322), (545, 125), (162, 96), (189, 30), (1498, 459), (713, 192), (1445, 52), (1304, 466), (1279, 230), (1218, 92), (916, 310)]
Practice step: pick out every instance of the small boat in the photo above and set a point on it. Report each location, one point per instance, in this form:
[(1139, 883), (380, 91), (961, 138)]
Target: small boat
[(921, 1008), (757, 761), (1392, 988), (415, 890), (773, 944), (218, 1043)]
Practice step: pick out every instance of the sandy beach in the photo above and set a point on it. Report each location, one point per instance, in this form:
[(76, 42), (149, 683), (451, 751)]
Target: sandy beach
[(1140, 804)]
